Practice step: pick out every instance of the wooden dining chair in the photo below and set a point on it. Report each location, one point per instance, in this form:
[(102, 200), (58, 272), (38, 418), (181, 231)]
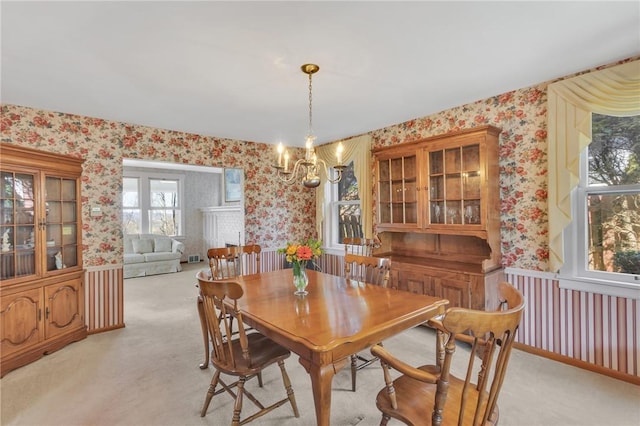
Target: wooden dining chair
[(433, 389), (361, 246), (242, 356), (228, 262), (370, 270), (251, 259), (225, 262)]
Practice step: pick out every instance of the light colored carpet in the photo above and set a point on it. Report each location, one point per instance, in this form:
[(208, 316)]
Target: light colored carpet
[(147, 374)]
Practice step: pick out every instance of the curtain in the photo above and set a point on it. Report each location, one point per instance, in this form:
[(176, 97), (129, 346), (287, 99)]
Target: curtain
[(358, 150), (613, 91)]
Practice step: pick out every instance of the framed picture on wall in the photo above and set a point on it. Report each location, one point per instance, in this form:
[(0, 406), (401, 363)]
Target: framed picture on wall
[(232, 185)]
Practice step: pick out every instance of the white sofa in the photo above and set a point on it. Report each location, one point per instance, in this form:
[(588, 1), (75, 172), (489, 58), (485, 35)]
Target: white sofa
[(146, 254)]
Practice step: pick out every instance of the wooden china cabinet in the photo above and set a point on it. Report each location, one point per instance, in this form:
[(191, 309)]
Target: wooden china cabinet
[(438, 215), (41, 275)]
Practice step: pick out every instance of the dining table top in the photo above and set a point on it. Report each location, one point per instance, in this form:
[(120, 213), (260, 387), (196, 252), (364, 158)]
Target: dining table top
[(334, 312)]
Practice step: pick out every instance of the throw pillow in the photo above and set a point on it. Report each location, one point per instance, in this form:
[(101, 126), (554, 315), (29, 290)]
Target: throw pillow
[(142, 246), (162, 245)]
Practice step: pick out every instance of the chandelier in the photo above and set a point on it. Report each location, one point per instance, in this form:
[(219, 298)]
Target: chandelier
[(310, 166)]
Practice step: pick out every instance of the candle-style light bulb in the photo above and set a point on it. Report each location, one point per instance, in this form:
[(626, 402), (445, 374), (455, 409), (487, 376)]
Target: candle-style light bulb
[(339, 150), (280, 151), (286, 160)]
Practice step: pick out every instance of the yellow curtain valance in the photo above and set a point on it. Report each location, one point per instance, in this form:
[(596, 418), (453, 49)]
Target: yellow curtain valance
[(613, 91), (358, 150)]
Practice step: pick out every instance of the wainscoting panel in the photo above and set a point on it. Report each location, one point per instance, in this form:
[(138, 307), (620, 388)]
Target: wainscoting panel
[(594, 328), (271, 260), (104, 301)]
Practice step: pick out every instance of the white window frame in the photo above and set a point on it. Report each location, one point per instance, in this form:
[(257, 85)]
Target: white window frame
[(144, 196), (331, 232), (575, 274)]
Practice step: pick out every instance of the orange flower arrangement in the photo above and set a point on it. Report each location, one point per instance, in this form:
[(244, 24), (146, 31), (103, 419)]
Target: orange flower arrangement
[(298, 254), (301, 253)]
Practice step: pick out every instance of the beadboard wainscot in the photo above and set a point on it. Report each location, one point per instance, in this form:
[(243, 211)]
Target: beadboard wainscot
[(592, 331)]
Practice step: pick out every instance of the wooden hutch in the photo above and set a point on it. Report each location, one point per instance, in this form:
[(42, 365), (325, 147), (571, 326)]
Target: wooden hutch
[(41, 275), (438, 215)]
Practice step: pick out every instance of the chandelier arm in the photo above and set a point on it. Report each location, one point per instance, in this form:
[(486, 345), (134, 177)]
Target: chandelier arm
[(326, 168), (292, 174)]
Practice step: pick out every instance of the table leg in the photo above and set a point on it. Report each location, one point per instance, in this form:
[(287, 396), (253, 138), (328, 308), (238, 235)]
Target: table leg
[(321, 380), (205, 333)]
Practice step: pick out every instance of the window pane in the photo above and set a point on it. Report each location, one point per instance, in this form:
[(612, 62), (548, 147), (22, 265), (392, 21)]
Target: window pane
[(614, 152), (612, 226), (348, 185), (131, 221), (164, 193), (164, 222), (130, 192), (349, 221)]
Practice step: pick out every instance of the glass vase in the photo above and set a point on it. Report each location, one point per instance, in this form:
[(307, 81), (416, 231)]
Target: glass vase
[(300, 279)]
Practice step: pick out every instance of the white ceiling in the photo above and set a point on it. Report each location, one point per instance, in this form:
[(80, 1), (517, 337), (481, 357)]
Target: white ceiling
[(232, 69)]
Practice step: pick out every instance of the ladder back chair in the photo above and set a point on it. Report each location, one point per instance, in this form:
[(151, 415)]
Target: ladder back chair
[(433, 389), (242, 356), (361, 246), (371, 270)]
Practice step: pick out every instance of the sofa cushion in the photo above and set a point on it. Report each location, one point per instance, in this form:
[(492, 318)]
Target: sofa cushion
[(130, 258), (142, 246), (161, 245), (156, 257), (128, 243)]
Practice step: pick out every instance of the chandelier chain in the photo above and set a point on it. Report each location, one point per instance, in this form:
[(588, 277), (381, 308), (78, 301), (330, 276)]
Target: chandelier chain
[(310, 106)]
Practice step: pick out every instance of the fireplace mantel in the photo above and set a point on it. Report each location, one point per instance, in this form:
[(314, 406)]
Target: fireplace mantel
[(222, 225)]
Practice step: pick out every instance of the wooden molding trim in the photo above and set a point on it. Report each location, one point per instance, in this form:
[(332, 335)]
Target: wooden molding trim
[(578, 363), (102, 330)]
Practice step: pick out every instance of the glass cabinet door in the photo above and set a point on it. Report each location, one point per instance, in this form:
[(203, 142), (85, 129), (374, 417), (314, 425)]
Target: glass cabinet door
[(454, 186), (61, 223), (18, 227), (397, 191)]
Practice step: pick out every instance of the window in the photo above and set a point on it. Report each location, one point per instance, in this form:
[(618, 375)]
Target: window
[(344, 209), (131, 217), (151, 204), (607, 203), (164, 209)]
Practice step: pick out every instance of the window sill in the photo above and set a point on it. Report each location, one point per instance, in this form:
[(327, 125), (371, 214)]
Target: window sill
[(336, 251), (592, 285)]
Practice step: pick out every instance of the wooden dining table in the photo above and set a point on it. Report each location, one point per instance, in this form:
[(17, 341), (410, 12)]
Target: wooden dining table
[(336, 319)]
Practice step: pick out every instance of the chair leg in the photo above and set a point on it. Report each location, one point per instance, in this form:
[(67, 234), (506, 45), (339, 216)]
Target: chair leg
[(287, 386), (205, 333), (237, 408), (260, 379), (354, 370), (210, 392)]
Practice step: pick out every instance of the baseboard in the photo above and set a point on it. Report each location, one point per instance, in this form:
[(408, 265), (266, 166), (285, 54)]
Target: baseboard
[(102, 330), (635, 380)]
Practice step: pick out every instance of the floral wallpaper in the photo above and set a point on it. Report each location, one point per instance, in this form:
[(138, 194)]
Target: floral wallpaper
[(276, 212)]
